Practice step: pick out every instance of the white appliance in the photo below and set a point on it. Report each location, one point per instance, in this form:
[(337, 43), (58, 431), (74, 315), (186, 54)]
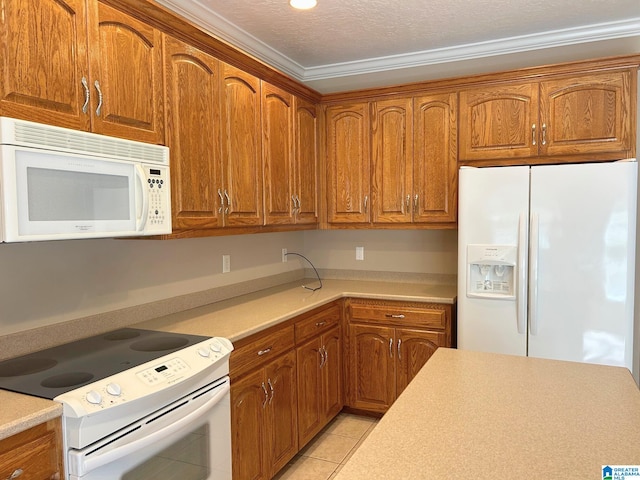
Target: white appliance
[(57, 183), (546, 261)]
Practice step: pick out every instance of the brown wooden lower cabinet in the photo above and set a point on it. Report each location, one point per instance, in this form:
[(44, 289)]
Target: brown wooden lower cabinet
[(264, 419), (34, 454)]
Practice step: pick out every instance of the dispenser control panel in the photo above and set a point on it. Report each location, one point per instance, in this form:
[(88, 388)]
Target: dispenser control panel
[(491, 271)]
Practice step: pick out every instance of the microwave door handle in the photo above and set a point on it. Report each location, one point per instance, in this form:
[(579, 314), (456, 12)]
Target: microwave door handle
[(142, 220), (146, 441)]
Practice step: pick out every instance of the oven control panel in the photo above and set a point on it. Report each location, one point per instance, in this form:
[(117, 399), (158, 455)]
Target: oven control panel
[(210, 357)]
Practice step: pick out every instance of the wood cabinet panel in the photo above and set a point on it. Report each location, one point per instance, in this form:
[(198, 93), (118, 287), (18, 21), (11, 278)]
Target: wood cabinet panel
[(414, 348), (192, 103), (318, 322), (125, 105), (310, 398), (348, 164), (306, 162), (277, 154), (333, 398), (259, 349), (392, 160), (241, 141), (43, 57), (432, 316), (36, 451), (435, 159)]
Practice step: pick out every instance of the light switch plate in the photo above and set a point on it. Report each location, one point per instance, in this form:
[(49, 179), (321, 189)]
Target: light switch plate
[(359, 253), (226, 263)]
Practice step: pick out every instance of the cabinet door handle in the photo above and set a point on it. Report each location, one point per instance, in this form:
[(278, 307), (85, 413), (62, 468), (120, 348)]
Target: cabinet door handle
[(415, 203), (399, 351), (221, 201), (394, 315), (16, 473), (299, 203), (85, 107), (408, 201), (99, 107), (226, 195), (326, 355), (533, 134), (266, 395), (264, 352), (322, 358), (391, 348), (272, 391), (544, 134), (366, 203), (295, 204)]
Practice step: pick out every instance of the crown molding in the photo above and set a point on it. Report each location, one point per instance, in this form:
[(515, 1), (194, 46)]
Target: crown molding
[(221, 28)]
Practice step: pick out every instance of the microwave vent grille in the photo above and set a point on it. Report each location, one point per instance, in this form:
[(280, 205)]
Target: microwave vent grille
[(44, 136)]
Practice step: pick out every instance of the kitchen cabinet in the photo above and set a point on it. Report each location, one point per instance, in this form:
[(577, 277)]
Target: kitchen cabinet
[(192, 104), (277, 153), (319, 361), (573, 118), (388, 343), (241, 148), (263, 405), (69, 64), (35, 453), (348, 163), (305, 163)]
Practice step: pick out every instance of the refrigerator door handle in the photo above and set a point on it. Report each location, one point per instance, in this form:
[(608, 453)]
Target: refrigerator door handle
[(521, 302), (533, 274)]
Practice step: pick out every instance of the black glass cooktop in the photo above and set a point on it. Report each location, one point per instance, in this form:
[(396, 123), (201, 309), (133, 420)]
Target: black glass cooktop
[(51, 372)]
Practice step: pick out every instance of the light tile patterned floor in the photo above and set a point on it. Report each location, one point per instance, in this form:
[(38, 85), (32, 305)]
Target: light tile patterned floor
[(324, 456)]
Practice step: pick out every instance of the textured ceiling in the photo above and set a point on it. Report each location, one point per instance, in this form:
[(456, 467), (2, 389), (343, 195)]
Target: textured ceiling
[(354, 37)]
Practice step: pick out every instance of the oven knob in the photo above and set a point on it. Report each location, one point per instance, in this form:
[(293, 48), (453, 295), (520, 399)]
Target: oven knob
[(94, 397), (203, 352), (216, 347), (114, 389)]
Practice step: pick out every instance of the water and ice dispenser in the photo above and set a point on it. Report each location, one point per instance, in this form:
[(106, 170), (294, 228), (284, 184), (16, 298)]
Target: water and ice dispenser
[(491, 271)]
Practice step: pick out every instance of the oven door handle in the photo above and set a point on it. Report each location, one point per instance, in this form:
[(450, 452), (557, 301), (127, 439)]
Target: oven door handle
[(130, 448)]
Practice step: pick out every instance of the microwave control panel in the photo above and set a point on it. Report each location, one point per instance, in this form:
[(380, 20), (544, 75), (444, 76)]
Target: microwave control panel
[(159, 214)]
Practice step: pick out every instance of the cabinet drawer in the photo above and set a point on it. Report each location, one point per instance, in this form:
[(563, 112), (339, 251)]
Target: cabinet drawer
[(432, 316), (35, 451), (317, 322), (260, 349)]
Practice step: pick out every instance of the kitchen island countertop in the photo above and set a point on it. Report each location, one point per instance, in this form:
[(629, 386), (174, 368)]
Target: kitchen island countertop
[(485, 416), (235, 318)]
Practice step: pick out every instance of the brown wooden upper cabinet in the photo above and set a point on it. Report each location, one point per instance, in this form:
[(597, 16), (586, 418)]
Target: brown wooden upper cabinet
[(582, 117), (71, 63), (393, 162)]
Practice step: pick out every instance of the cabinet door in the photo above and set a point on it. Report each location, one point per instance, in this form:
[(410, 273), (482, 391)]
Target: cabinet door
[(248, 427), (192, 102), (332, 374), (587, 114), (499, 122), (348, 165), (391, 150), (241, 140), (310, 398), (371, 363), (435, 159), (282, 432), (414, 348), (125, 57), (43, 60), (306, 162), (277, 154)]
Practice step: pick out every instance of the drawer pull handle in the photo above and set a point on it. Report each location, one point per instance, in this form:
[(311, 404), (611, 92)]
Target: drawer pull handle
[(265, 351), (16, 473), (394, 315), (320, 324)]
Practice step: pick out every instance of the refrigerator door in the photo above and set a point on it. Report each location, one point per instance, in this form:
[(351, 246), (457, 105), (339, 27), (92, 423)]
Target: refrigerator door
[(493, 210), (582, 250)]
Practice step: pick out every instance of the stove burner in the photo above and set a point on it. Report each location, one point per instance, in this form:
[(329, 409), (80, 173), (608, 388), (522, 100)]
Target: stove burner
[(25, 366), (122, 335), (159, 344), (66, 380)]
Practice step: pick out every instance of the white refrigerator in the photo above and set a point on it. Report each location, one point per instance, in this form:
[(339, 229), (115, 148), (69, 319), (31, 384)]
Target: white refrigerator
[(546, 261)]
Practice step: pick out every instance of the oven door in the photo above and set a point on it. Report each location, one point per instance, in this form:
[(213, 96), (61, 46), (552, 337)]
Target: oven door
[(189, 439)]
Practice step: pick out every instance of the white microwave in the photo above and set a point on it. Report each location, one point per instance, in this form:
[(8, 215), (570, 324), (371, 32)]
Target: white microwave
[(57, 183)]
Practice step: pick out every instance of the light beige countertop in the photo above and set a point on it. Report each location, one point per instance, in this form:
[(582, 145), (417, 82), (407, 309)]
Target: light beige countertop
[(236, 318), (242, 316), (469, 415)]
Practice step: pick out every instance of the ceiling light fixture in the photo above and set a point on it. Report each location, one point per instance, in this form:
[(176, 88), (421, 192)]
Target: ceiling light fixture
[(303, 4)]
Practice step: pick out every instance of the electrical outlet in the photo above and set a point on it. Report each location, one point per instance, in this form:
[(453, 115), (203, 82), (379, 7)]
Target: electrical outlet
[(226, 263), (359, 253), (284, 255)]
